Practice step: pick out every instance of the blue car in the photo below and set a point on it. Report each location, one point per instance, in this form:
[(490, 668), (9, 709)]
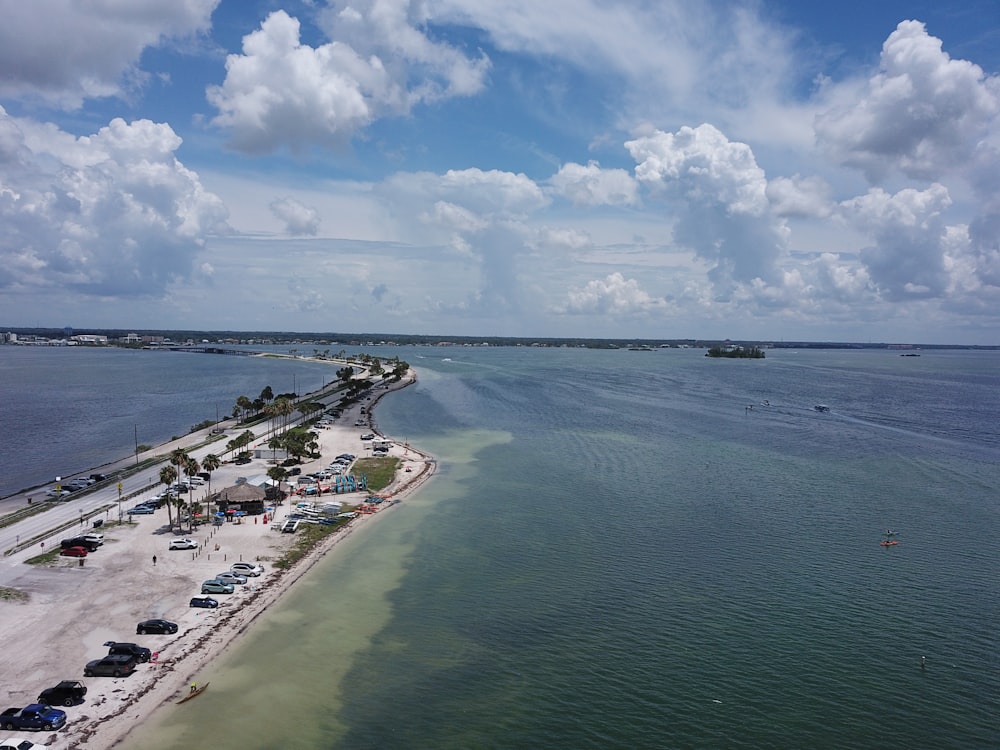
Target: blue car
[(141, 510), (205, 602)]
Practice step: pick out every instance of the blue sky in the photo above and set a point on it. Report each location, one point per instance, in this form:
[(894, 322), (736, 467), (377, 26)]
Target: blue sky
[(767, 170)]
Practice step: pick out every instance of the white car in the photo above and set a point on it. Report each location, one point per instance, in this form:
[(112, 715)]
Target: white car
[(247, 569), (183, 544), (20, 743), (95, 538), (234, 579)]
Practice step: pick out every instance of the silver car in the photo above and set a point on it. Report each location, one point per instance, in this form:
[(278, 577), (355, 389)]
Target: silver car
[(231, 578), (247, 569)]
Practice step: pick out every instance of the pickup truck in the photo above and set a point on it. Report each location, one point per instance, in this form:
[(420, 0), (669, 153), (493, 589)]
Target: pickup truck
[(35, 716)]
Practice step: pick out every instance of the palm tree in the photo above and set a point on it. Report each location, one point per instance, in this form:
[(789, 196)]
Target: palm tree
[(168, 475), (191, 467), (284, 406), (179, 458), (210, 463), (244, 404), (277, 474), (274, 444)]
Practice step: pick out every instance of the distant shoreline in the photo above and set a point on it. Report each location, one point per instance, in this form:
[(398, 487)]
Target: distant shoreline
[(361, 340)]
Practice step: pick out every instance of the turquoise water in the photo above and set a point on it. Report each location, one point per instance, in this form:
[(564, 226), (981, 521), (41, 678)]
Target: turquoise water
[(619, 553)]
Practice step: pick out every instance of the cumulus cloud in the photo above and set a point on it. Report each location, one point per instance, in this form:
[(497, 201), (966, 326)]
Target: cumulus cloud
[(110, 213), (800, 196), (923, 113), (592, 186), (613, 295), (281, 92), (64, 52), (908, 257), (299, 219), (724, 214), (479, 214)]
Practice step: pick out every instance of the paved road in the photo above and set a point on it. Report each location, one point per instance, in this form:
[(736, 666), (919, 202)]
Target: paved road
[(77, 513)]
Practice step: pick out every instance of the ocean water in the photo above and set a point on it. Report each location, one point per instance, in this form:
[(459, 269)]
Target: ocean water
[(69, 409), (619, 553)]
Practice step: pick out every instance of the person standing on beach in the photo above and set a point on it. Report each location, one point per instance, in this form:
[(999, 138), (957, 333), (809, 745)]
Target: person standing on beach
[(154, 561)]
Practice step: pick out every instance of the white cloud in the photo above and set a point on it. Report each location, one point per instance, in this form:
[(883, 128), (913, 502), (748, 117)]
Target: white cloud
[(592, 186), (614, 295), (724, 215), (281, 92), (298, 218), (63, 52), (923, 113), (477, 214), (907, 259), (110, 213), (800, 196)]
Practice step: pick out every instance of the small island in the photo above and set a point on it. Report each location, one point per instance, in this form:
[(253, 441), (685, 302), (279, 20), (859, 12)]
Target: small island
[(736, 352)]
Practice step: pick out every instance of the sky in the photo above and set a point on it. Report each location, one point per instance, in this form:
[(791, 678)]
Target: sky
[(648, 169)]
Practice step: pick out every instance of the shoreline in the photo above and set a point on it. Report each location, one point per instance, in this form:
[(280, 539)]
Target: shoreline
[(114, 706)]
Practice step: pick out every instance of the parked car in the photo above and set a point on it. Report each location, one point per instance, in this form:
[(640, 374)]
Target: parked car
[(73, 552), (94, 538), (36, 716), (231, 578), (213, 586), (294, 471), (57, 493), (157, 501), (183, 544), (20, 743), (80, 541), (66, 693), (369, 436), (247, 569), (158, 627), (141, 510), (117, 665), (204, 602), (347, 456), (137, 652)]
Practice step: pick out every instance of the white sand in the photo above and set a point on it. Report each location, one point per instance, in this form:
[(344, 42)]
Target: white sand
[(74, 610)]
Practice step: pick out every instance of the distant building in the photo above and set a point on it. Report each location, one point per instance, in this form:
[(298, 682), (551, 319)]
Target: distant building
[(90, 339)]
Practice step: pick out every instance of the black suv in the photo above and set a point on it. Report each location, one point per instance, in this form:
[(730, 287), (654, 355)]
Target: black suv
[(88, 544), (137, 652), (119, 665), (66, 693)]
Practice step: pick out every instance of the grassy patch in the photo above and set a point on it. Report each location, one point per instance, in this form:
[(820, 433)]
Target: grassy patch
[(13, 595), (46, 558), (379, 471), (306, 538)]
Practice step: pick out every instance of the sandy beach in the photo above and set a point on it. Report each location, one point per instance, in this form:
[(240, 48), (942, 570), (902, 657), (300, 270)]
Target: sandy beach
[(73, 610)]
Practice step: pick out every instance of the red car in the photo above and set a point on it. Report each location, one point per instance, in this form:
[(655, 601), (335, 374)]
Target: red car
[(74, 552)]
